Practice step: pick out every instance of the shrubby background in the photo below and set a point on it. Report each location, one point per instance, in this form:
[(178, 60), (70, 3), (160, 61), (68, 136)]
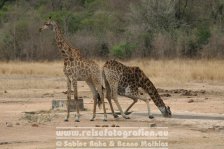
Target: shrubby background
[(125, 29)]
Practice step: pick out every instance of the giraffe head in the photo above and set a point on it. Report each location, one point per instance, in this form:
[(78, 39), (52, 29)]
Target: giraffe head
[(49, 24), (165, 111)]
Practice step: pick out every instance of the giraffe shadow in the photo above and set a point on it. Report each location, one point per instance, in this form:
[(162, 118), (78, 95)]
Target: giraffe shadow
[(178, 115), (187, 116)]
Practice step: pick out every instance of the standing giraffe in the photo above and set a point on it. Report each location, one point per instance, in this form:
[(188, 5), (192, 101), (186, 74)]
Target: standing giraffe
[(128, 81), (77, 68)]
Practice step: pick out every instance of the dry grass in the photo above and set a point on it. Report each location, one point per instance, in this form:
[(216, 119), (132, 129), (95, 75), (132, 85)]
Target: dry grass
[(31, 68), (161, 72), (181, 71), (35, 75)]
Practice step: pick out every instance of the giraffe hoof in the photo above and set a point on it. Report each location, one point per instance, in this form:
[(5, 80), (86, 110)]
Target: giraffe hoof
[(126, 117), (92, 119), (65, 120), (127, 113), (151, 117), (104, 120), (116, 116), (77, 120)]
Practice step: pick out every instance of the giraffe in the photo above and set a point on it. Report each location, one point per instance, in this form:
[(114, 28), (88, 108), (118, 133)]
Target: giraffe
[(77, 68), (129, 82)]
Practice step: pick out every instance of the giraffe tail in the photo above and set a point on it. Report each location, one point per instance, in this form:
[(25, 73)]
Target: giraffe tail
[(104, 87), (99, 101)]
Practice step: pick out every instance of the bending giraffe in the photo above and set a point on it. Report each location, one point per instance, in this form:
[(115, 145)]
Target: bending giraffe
[(77, 68), (128, 81)]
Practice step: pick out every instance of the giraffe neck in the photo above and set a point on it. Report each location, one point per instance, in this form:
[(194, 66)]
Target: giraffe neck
[(148, 86), (65, 49)]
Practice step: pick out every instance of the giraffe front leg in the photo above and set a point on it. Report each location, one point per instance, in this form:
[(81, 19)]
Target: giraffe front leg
[(94, 110), (68, 99), (149, 111), (77, 115), (148, 107)]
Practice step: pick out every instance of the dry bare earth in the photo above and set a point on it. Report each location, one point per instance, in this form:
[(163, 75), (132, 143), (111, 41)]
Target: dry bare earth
[(193, 89)]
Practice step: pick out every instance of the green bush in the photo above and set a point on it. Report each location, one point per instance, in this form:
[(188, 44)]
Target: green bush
[(22, 33), (122, 50), (73, 23), (67, 19), (203, 35)]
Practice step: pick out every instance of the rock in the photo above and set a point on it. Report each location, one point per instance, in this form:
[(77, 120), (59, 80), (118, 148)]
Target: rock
[(202, 91), (175, 91), (113, 125), (160, 90), (66, 92), (62, 104), (8, 124), (35, 125), (165, 95), (188, 93), (190, 101), (3, 143), (105, 126), (152, 125), (48, 95), (218, 128)]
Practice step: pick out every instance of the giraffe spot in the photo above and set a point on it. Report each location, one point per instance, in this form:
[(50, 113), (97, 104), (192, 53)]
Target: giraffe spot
[(82, 65), (71, 59)]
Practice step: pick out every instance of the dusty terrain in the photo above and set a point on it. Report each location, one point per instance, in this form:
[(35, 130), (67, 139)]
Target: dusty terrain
[(27, 121)]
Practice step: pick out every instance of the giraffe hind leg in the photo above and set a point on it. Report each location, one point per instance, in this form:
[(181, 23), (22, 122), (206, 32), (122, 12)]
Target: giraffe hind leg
[(114, 93), (95, 94), (98, 101), (132, 104), (68, 99), (112, 109), (101, 98), (108, 96)]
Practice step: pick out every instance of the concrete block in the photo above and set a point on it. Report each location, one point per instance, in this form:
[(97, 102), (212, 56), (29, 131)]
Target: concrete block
[(62, 104)]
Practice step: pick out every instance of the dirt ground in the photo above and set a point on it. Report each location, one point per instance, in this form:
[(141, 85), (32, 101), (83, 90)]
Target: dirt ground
[(27, 121)]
